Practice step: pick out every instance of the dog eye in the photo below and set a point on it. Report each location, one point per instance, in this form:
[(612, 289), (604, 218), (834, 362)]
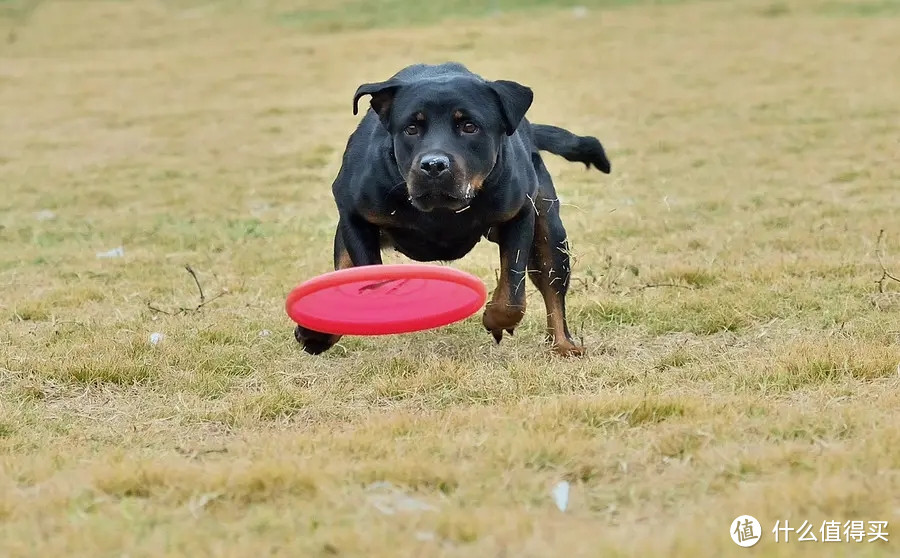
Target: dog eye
[(411, 130), (469, 128)]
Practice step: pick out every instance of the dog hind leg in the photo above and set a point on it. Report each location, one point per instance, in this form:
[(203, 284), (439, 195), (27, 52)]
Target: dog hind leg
[(549, 266)]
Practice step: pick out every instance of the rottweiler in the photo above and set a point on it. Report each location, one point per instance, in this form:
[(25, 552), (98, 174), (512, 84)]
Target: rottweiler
[(443, 158)]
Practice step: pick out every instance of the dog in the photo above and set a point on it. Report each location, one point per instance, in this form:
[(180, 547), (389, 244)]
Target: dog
[(443, 158)]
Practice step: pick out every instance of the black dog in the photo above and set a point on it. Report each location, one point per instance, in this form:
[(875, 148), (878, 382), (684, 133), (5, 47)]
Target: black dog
[(442, 159)]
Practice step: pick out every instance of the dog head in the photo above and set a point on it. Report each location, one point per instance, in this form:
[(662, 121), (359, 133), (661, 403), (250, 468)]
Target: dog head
[(447, 126)]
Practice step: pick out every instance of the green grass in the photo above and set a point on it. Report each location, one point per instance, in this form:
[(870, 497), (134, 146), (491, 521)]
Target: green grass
[(876, 8)]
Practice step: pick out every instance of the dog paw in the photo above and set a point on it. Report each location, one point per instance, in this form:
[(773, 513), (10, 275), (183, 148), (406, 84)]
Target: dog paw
[(497, 334), (565, 347), (497, 319), (569, 350), (314, 342)]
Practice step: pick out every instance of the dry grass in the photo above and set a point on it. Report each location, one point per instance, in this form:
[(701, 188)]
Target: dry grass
[(754, 149)]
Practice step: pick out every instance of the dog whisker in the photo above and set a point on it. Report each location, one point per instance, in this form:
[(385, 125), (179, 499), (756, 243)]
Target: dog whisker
[(463, 209)]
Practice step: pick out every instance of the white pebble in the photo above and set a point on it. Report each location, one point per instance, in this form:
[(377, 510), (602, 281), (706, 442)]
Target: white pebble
[(114, 253), (561, 495)]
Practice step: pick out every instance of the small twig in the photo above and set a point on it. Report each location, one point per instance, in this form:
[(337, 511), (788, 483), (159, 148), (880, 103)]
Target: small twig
[(184, 310), (204, 303), (885, 274), (658, 285), (195, 453), (160, 310), (197, 281)]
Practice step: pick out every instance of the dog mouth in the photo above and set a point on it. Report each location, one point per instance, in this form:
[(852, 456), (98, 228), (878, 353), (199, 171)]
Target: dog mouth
[(429, 199)]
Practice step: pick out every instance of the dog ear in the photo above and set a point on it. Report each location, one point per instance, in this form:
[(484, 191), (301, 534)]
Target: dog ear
[(515, 100), (382, 94)]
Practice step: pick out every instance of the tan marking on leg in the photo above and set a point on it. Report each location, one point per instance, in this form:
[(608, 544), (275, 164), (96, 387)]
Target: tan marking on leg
[(501, 313), (543, 279), (343, 261), (378, 219), (556, 329)]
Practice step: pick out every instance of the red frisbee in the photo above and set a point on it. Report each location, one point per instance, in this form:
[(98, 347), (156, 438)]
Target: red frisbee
[(385, 299)]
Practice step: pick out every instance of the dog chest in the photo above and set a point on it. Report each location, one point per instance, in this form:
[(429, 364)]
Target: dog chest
[(431, 246)]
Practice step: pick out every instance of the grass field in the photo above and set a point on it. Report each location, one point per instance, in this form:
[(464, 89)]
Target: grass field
[(742, 358)]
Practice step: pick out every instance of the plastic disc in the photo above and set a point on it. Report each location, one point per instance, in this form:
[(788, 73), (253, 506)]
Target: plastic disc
[(385, 299)]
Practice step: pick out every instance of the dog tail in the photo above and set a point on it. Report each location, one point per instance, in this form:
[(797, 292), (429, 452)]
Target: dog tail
[(579, 149)]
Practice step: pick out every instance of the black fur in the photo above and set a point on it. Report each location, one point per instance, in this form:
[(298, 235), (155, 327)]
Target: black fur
[(579, 149), (442, 159)]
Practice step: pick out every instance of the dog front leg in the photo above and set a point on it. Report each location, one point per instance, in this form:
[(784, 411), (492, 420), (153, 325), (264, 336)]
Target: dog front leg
[(507, 305), (355, 244)]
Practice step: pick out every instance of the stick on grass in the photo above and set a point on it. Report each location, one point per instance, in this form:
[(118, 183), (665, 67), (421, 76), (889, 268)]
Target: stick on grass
[(885, 274), (183, 309)]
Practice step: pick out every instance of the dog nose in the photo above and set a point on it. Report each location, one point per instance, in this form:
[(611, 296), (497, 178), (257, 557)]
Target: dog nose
[(435, 164)]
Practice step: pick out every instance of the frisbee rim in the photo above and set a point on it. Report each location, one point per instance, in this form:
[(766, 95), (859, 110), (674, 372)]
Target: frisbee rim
[(384, 272)]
